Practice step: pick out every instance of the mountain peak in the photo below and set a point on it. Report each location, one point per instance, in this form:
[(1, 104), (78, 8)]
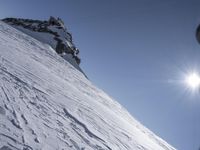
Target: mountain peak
[(47, 104), (52, 32)]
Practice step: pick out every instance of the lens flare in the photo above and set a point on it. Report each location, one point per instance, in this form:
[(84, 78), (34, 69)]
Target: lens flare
[(193, 80)]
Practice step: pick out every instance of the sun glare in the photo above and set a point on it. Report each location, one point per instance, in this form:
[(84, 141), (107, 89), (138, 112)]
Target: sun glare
[(193, 80)]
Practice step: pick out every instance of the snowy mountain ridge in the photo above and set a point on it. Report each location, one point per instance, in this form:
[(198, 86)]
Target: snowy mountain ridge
[(52, 32), (47, 104)]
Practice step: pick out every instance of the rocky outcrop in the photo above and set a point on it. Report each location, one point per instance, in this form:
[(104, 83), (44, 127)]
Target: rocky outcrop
[(53, 32)]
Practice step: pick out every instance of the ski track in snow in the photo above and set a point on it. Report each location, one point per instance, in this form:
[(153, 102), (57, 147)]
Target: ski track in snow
[(47, 104)]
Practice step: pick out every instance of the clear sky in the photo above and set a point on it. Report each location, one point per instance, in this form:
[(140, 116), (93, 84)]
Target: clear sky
[(136, 51)]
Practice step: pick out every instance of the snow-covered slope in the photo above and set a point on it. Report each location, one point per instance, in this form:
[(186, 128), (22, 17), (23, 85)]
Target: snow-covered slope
[(52, 32), (47, 104)]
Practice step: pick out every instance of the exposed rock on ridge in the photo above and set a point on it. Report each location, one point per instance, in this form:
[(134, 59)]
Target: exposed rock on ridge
[(56, 34)]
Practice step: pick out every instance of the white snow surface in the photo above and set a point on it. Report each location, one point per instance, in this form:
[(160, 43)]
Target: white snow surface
[(47, 104), (49, 39)]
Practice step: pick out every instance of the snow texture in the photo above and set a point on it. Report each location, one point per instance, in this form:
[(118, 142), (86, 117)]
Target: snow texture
[(51, 32), (47, 104)]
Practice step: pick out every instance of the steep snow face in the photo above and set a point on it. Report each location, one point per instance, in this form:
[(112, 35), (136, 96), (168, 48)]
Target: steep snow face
[(47, 104), (51, 32)]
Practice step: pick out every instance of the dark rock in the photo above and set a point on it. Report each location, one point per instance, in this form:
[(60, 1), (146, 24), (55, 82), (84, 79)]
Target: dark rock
[(43, 26)]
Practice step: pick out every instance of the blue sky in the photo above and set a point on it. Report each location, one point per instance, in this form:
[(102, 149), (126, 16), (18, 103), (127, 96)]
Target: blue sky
[(136, 51)]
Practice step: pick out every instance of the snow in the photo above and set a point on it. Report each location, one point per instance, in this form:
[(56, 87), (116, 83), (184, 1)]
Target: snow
[(44, 37), (47, 104), (48, 38)]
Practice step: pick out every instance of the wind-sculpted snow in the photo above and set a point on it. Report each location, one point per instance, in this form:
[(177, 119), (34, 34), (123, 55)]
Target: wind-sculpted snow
[(47, 104), (52, 32)]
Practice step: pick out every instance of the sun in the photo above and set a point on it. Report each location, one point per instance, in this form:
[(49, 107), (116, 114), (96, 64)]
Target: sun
[(193, 80)]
